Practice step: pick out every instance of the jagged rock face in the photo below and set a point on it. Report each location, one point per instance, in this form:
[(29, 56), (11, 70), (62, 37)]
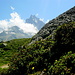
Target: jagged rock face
[(67, 16), (35, 21)]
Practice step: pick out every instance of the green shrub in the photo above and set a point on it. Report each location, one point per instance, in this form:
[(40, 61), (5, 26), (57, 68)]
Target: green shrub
[(45, 54), (9, 50), (64, 66), (33, 58), (2, 45), (64, 40), (4, 72)]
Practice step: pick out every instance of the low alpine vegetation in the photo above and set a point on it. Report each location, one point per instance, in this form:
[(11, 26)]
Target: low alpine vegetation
[(50, 56)]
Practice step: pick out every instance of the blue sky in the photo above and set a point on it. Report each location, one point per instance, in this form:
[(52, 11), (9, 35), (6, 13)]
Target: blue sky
[(15, 12), (46, 9)]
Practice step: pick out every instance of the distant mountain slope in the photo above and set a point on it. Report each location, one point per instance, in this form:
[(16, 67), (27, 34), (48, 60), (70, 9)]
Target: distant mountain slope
[(15, 32), (12, 33), (37, 22), (67, 16)]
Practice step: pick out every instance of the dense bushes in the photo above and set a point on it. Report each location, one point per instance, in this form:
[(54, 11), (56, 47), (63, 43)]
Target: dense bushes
[(64, 66), (64, 40), (2, 45), (4, 71), (55, 56), (33, 58), (8, 49)]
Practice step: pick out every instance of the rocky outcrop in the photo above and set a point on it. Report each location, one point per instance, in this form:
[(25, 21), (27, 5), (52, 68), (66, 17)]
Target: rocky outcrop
[(67, 16)]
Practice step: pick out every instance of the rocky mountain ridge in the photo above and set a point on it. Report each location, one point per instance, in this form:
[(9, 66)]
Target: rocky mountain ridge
[(37, 22), (47, 30)]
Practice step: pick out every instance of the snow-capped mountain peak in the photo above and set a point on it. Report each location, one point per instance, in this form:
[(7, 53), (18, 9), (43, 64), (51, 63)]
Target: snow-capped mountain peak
[(35, 21), (21, 31)]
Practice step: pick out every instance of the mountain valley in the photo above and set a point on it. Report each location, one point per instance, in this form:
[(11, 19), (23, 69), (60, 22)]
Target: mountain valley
[(49, 52)]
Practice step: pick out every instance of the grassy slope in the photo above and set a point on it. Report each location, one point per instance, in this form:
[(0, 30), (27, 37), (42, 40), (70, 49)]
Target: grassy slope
[(6, 52)]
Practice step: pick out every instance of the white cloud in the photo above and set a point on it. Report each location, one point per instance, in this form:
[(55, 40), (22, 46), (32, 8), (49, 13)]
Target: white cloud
[(42, 19), (16, 20), (12, 8), (4, 24)]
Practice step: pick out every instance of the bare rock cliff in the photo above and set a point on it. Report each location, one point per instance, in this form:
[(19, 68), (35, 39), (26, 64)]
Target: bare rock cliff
[(47, 30)]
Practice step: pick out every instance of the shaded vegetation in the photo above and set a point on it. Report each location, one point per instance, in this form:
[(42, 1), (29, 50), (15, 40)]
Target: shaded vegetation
[(35, 55), (47, 57), (64, 66), (64, 38)]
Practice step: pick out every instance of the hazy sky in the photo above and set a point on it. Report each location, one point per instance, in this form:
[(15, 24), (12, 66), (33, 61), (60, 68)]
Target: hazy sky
[(14, 12)]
